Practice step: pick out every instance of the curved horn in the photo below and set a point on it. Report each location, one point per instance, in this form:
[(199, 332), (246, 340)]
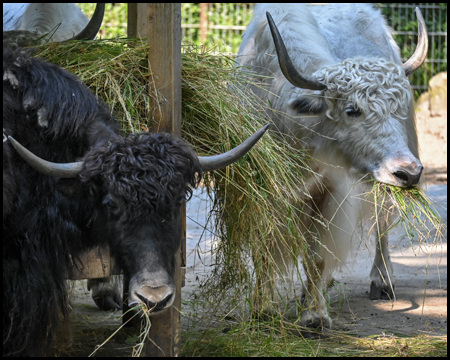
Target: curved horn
[(215, 162), (69, 170), (288, 69), (419, 56), (92, 28)]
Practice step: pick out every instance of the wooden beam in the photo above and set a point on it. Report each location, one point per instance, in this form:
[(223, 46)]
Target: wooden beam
[(92, 264), (203, 22), (163, 24)]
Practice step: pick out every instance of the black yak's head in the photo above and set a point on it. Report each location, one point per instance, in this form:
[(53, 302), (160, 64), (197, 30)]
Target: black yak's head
[(136, 185)]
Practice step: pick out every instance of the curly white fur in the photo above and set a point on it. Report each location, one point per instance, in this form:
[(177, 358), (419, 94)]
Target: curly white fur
[(376, 87)]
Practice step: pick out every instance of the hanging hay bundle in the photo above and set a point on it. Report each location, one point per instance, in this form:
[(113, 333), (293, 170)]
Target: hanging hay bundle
[(252, 198)]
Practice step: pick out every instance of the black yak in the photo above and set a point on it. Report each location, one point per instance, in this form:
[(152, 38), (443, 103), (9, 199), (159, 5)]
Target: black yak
[(121, 191)]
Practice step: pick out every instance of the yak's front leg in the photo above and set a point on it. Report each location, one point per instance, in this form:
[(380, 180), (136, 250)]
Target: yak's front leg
[(382, 285), (315, 312)]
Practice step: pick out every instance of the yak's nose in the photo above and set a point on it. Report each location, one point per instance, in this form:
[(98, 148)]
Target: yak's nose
[(155, 298), (400, 169), (409, 175)]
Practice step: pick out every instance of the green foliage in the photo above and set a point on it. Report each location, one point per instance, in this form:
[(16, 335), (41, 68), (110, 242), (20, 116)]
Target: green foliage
[(190, 14), (114, 22)]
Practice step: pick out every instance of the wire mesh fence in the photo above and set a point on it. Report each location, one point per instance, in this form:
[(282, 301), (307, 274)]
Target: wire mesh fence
[(402, 19), (218, 25)]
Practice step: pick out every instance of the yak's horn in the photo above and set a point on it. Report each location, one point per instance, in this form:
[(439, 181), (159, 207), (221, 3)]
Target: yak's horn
[(419, 56), (288, 69), (215, 162), (71, 170), (92, 28), (68, 170)]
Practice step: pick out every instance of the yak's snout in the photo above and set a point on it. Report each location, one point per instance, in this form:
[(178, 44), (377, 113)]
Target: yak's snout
[(408, 175), (155, 298), (403, 171), (156, 290)]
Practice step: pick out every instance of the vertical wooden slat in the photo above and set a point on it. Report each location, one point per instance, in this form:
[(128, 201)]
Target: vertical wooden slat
[(203, 22), (163, 24), (164, 38), (164, 29), (137, 20), (132, 20)]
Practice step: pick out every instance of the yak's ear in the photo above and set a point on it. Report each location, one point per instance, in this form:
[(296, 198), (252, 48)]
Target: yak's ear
[(71, 188)]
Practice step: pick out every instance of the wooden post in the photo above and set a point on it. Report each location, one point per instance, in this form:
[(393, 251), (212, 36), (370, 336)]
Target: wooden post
[(162, 24), (203, 22), (137, 20)]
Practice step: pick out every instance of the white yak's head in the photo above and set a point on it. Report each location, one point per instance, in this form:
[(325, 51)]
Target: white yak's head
[(367, 109), (367, 106)]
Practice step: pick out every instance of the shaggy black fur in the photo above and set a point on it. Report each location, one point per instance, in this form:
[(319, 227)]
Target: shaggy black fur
[(148, 171), (9, 185), (129, 190)]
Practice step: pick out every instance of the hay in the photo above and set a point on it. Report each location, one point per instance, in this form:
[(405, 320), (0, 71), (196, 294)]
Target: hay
[(116, 71), (413, 209), (252, 198)]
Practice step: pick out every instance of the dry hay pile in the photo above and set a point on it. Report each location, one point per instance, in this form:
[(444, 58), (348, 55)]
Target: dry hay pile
[(252, 198)]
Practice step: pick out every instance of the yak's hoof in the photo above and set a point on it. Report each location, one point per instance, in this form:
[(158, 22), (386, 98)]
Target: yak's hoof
[(381, 291), (315, 321), (314, 325)]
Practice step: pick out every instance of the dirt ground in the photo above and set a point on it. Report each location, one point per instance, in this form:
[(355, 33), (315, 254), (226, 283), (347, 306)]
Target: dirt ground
[(432, 132), (420, 274)]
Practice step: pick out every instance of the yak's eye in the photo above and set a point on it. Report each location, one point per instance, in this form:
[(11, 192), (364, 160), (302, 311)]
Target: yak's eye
[(352, 112), (110, 203)]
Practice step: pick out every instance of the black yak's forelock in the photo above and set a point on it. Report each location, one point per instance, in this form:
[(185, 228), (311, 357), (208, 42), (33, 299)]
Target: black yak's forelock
[(148, 171), (49, 101)]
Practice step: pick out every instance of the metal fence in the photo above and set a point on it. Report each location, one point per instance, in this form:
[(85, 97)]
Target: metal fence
[(216, 25), (402, 19), (220, 26)]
